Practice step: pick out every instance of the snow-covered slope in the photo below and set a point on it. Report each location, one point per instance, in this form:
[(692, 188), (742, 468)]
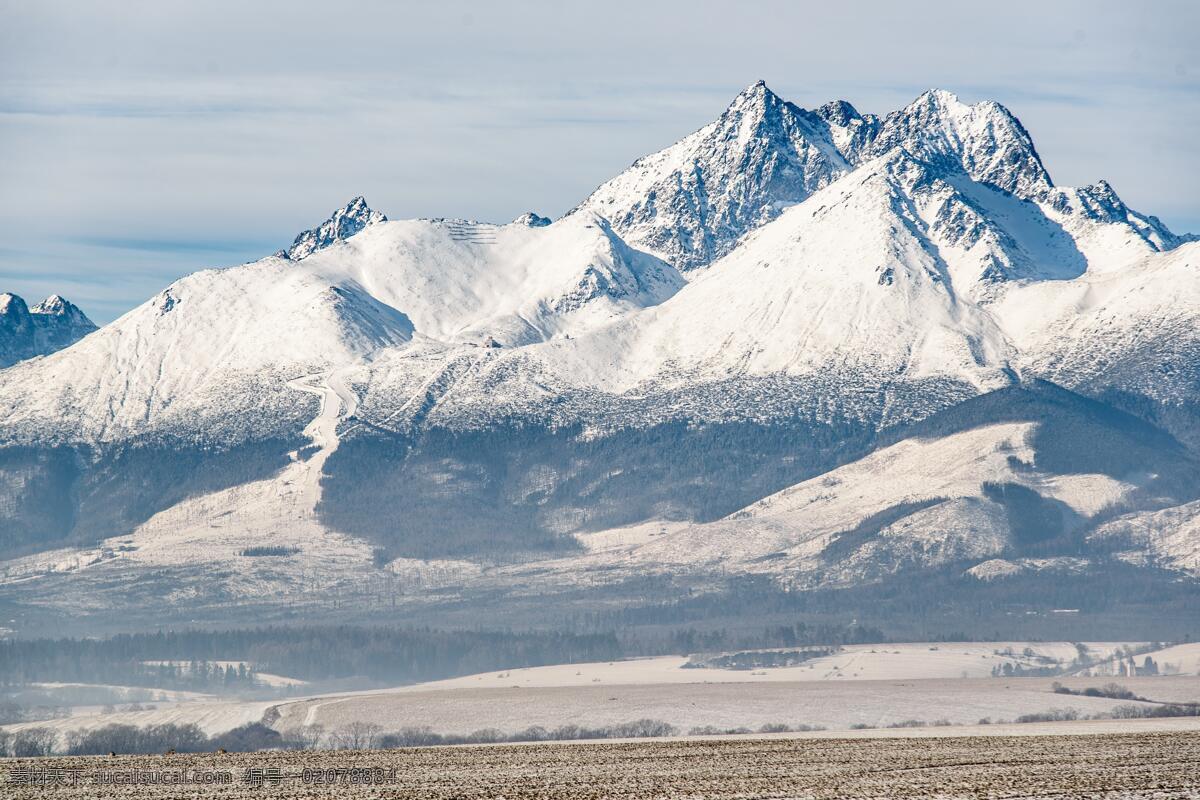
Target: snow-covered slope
[(464, 282), (1136, 329), (210, 355), (1169, 537), (899, 288), (929, 490), (219, 346), (1004, 477), (49, 326), (846, 282)]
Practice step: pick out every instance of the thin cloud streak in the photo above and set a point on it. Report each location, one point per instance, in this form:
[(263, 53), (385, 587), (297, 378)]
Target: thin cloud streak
[(153, 139)]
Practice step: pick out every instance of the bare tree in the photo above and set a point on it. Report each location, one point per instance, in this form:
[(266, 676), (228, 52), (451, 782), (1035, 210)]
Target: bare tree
[(356, 736), (33, 742), (303, 737)]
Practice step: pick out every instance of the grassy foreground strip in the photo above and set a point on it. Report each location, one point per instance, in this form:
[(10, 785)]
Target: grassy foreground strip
[(1151, 765)]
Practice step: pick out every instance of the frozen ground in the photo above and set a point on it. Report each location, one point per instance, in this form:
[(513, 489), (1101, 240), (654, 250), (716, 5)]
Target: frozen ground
[(1133, 765)]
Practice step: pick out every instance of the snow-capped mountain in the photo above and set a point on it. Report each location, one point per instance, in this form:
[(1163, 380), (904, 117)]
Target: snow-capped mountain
[(694, 200), (49, 326), (821, 346)]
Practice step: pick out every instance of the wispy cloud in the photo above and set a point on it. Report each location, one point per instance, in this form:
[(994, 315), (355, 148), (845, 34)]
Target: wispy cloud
[(141, 140), (176, 245)]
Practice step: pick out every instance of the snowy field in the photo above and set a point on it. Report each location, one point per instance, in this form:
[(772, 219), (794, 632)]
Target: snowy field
[(912, 661), (212, 715), (861, 685), (834, 705)]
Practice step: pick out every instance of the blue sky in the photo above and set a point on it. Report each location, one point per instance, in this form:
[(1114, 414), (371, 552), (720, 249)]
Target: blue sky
[(144, 140)]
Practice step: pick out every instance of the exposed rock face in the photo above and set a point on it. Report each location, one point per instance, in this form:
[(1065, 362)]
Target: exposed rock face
[(48, 327), (532, 220), (341, 225), (691, 202)]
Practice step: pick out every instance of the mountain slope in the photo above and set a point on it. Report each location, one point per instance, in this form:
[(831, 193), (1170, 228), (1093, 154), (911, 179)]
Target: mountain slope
[(837, 320), (888, 294), (1000, 475), (211, 355), (208, 356), (462, 282), (1130, 335), (846, 281)]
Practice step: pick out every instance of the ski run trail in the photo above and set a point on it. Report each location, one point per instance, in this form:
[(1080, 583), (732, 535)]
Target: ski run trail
[(337, 403)]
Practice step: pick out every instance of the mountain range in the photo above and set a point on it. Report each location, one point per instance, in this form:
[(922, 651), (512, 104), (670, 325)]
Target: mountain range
[(815, 348)]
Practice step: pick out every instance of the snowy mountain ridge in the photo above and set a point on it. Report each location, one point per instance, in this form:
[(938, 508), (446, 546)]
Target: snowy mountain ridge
[(692, 201), (820, 297)]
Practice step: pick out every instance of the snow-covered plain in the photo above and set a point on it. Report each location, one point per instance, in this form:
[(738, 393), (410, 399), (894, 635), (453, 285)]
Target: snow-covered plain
[(212, 716), (723, 705), (861, 684), (899, 661), (874, 685)]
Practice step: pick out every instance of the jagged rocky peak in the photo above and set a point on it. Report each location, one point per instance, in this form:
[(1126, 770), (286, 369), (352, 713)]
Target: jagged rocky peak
[(757, 116), (755, 96), (58, 306), (342, 224), (532, 220), (55, 304), (985, 139), (49, 326), (1100, 202), (691, 202), (55, 310), (838, 112)]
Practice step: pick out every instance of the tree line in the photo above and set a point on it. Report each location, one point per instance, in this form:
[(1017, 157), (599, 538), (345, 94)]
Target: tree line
[(315, 653)]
